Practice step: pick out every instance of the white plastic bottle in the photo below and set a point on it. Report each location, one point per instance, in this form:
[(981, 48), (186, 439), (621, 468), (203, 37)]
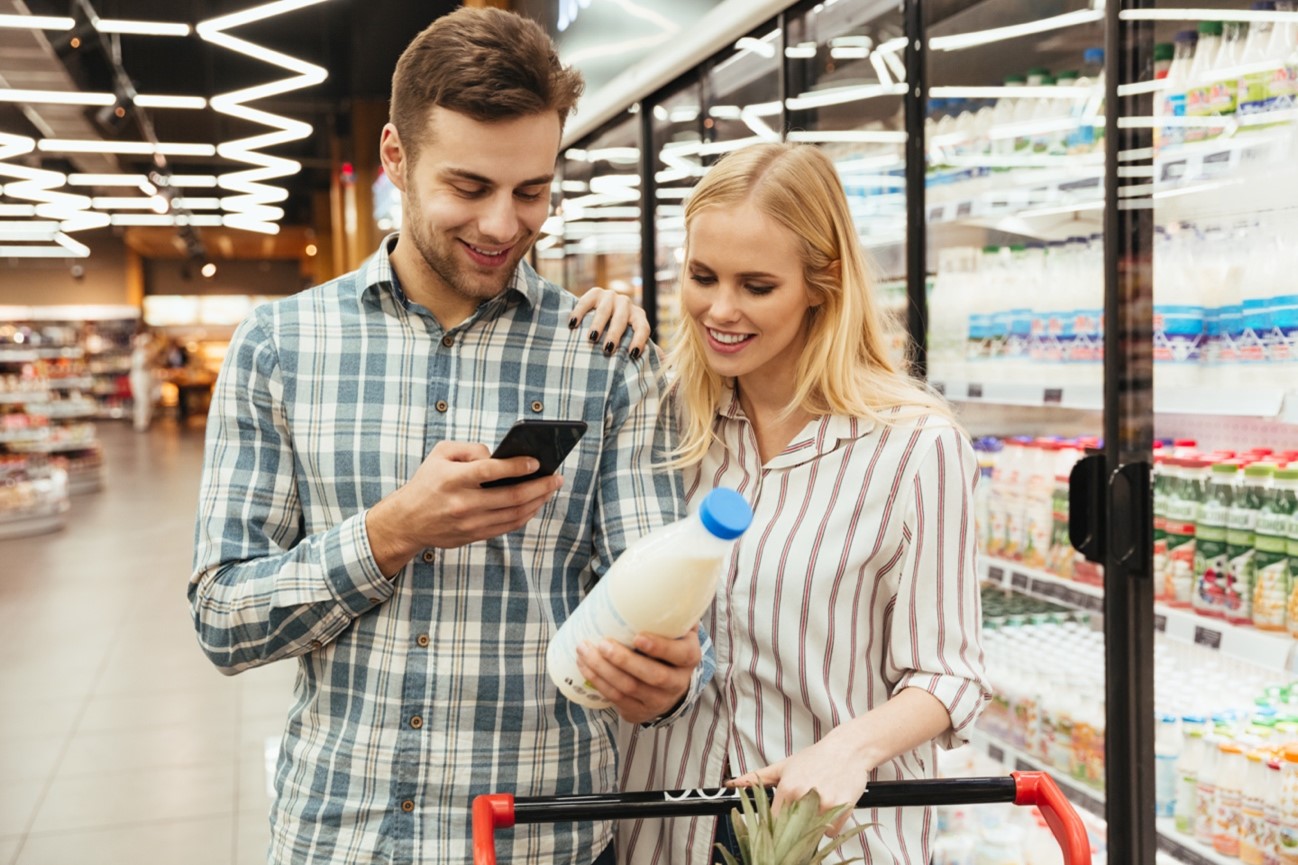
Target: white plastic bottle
[(1172, 105), (1167, 751), (1187, 770), (661, 585)]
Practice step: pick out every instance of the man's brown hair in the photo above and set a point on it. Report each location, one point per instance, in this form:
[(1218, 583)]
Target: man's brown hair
[(482, 62)]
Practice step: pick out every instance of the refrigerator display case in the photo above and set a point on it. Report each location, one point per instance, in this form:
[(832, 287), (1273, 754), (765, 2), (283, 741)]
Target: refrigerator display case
[(1081, 211)]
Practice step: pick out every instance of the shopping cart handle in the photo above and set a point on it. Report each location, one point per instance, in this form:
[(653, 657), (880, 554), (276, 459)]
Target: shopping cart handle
[(1038, 788), (502, 810)]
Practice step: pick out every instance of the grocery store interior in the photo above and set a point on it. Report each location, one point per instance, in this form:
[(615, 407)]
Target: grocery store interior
[(1081, 217)]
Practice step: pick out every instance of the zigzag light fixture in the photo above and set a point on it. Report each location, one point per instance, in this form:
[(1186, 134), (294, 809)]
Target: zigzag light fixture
[(254, 209), (39, 219)]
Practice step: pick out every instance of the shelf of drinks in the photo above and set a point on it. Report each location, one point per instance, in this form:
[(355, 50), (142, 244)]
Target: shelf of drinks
[(1275, 402), (47, 446), (23, 397), (1270, 651), (988, 188), (1177, 847)]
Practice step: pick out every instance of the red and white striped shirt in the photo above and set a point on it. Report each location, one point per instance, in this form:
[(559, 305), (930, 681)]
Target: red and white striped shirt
[(857, 579)]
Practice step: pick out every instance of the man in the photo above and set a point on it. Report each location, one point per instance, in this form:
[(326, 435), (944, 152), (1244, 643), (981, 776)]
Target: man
[(343, 522)]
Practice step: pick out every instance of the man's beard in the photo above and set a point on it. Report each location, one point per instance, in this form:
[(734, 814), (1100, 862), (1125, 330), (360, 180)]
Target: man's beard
[(443, 259)]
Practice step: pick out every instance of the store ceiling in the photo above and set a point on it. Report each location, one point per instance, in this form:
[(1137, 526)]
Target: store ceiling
[(356, 41)]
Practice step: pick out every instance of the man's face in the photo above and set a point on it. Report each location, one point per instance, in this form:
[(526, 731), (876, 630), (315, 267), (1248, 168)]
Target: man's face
[(476, 196)]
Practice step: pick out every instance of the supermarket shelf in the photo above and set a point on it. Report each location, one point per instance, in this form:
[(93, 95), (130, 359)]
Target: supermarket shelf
[(55, 447), (1270, 651), (68, 410), (71, 382), (71, 352), (17, 355), (23, 397), (1267, 402), (1042, 585), (1183, 850), (87, 480), (22, 437), (1012, 758), (47, 519)]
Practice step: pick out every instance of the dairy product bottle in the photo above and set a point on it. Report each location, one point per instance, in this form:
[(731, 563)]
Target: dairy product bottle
[(1172, 104), (660, 585), (1187, 774), (1212, 595), (1002, 141), (1254, 95), (1167, 751), (1271, 809), (1205, 800), (1272, 562), (1198, 94), (1241, 522), (1182, 519)]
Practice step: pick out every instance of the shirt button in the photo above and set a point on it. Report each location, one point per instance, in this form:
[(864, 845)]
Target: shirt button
[(422, 640), (448, 340), (416, 722), (374, 600), (407, 806), (429, 555), (441, 405), (537, 405)]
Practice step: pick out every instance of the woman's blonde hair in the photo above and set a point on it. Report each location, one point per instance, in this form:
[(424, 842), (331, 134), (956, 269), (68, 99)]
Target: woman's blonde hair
[(844, 368)]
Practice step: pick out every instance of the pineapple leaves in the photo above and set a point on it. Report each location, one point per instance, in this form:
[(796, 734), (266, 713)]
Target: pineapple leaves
[(790, 838)]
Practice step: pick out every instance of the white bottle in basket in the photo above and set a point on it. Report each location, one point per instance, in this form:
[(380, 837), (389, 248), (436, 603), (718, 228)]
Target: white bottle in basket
[(661, 585)]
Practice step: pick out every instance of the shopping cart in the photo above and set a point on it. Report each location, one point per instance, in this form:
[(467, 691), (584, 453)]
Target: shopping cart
[(502, 811)]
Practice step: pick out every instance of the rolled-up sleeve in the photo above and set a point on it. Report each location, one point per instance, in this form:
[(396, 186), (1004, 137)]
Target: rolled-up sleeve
[(935, 639), (260, 589)]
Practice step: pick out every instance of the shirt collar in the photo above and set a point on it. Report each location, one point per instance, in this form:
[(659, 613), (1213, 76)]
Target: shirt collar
[(376, 275), (820, 436)]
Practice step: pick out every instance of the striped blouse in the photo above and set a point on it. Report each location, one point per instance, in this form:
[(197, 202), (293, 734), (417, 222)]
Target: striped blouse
[(856, 580)]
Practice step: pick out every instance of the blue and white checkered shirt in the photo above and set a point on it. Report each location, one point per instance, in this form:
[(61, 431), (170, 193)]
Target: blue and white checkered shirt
[(416, 694)]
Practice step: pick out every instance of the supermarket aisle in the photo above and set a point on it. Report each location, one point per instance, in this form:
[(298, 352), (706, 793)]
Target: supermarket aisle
[(119, 743)]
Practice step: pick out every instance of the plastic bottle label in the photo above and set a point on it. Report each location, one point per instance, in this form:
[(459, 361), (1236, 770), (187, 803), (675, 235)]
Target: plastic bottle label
[(1165, 784), (1212, 570), (594, 619), (1226, 822), (1187, 794), (1283, 339), (1178, 333)]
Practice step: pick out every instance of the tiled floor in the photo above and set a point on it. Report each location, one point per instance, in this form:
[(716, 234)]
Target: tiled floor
[(119, 743)]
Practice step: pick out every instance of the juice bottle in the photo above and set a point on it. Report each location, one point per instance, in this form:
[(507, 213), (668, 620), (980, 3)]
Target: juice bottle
[(1205, 798), (1287, 808), (1212, 595), (1230, 792), (1271, 809), (1271, 557), (661, 585), (1252, 828)]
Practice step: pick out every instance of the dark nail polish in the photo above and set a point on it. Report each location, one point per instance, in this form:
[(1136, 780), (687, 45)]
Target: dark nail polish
[(635, 354), (608, 347), (572, 324), (594, 336)]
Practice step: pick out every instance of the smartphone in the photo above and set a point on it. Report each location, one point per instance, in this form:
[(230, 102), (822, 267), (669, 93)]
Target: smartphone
[(548, 441)]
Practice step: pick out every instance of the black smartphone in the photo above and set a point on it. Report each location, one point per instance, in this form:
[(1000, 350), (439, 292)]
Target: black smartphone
[(548, 441)]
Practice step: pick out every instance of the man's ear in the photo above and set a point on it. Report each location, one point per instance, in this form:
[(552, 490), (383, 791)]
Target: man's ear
[(393, 156)]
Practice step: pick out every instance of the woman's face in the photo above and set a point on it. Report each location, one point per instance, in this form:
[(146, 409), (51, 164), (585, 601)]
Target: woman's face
[(744, 291)]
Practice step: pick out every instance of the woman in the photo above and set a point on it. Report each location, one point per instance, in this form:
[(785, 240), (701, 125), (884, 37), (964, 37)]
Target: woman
[(847, 626)]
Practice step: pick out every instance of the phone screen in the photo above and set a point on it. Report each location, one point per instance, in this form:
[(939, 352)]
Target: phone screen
[(547, 441)]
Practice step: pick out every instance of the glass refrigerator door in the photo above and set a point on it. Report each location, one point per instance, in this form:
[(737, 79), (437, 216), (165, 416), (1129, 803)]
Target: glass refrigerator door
[(600, 209), (1014, 204), (678, 135), (1222, 185), (845, 77)]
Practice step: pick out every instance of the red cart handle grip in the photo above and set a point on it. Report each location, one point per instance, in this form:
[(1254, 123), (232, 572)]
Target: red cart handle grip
[(491, 812), (1038, 788)]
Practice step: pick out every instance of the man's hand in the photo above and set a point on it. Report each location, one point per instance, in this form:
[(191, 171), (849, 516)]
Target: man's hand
[(644, 683), (445, 506)]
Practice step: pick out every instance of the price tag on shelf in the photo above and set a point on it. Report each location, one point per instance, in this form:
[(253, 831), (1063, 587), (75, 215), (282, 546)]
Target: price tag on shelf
[(1160, 623), (974, 391), (1209, 637), (996, 575), (997, 753), (1020, 581), (1053, 396)]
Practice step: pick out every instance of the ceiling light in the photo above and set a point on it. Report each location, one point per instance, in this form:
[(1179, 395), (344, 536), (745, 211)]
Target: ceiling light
[(208, 270), (841, 95), (1207, 15), (165, 219), (251, 210), (960, 41), (37, 22), (311, 249), (141, 28), (70, 145), (55, 97), (756, 46), (161, 101), (861, 136), (801, 51)]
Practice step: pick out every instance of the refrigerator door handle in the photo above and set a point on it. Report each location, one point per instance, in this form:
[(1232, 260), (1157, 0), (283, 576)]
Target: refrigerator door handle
[(1088, 507), (1130, 505)]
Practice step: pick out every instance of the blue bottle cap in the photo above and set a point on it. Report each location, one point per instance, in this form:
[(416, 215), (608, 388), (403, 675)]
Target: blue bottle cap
[(1093, 56), (725, 513)]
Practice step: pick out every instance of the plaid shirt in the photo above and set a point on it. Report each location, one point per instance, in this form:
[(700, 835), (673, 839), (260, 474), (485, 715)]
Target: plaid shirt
[(415, 694)]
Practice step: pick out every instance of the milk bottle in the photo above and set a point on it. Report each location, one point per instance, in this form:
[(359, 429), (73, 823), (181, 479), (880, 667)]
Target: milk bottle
[(661, 585)]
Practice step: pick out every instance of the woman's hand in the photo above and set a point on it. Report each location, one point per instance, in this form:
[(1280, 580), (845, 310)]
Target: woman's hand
[(835, 770), (613, 314)]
